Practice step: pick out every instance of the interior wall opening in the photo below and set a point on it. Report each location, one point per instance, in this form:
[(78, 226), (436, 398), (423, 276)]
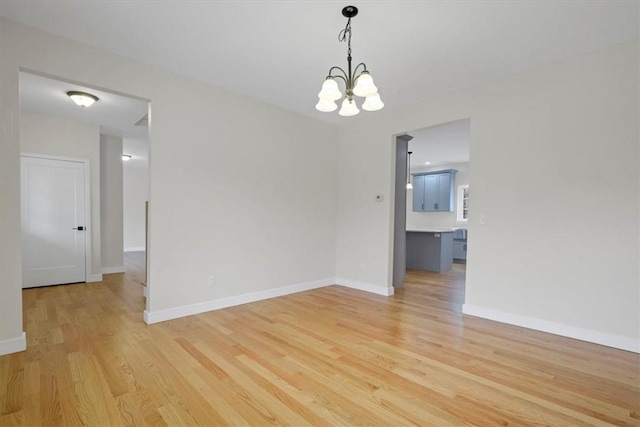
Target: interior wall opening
[(431, 207), (110, 137)]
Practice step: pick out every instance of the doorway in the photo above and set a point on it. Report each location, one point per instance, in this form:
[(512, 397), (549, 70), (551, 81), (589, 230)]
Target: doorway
[(400, 210), (438, 229), (53, 126)]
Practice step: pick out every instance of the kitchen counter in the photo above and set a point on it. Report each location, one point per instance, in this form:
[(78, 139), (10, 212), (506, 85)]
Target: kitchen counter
[(432, 229), (430, 249)]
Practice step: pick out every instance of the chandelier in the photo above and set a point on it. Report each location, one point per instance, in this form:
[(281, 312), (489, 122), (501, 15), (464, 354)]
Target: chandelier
[(357, 82)]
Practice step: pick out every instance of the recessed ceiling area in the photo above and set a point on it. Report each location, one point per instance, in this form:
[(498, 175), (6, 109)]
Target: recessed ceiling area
[(280, 51), (116, 114), (441, 144)]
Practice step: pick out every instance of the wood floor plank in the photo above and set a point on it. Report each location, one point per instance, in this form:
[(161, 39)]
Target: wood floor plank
[(199, 378), (184, 398), (325, 357), (12, 419), (32, 393), (97, 405)]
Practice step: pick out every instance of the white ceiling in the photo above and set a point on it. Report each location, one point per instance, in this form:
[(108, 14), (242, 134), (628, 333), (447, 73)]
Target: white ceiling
[(280, 51), (440, 145), (116, 114)]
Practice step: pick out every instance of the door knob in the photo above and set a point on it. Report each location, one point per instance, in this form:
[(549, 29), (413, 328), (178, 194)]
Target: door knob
[(79, 228)]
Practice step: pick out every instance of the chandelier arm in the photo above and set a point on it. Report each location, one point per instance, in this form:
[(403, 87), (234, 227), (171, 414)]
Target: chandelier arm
[(355, 74), (355, 70), (344, 76)]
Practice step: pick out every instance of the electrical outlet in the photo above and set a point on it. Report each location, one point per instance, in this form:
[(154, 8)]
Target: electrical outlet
[(212, 281)]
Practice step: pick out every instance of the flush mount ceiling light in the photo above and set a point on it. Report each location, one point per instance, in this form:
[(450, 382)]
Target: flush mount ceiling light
[(126, 157), (83, 99), (357, 82)]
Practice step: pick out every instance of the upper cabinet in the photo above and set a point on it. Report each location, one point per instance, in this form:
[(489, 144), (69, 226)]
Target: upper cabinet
[(434, 191)]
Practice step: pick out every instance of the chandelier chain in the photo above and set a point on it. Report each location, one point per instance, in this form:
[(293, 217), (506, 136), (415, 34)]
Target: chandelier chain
[(343, 36)]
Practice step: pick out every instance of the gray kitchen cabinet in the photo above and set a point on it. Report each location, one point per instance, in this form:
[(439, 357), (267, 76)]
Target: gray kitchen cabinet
[(418, 193), (430, 251), (434, 191), (460, 250), (460, 245)]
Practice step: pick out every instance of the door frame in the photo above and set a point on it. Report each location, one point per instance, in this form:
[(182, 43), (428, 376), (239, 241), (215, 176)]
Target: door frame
[(399, 209), (87, 203)]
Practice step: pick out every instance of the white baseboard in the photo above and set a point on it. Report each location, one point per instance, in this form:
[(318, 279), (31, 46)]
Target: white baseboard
[(112, 270), (94, 278), (380, 290), (13, 345), (135, 249), (188, 310), (615, 341)]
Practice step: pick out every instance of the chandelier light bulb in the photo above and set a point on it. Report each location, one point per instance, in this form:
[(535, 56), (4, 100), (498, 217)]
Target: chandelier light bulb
[(349, 108), (373, 103), (330, 91), (364, 85), (326, 106)]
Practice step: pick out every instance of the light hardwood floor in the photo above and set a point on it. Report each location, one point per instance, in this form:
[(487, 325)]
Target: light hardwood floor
[(327, 357)]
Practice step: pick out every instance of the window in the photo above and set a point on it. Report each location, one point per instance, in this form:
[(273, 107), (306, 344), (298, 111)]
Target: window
[(462, 211)]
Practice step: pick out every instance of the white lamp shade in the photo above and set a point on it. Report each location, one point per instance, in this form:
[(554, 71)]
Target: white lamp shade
[(326, 106), (364, 85), (373, 103), (330, 91), (409, 186), (349, 108)]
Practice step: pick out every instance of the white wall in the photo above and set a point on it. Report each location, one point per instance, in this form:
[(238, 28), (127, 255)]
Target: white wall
[(12, 336), (111, 204), (57, 136), (238, 188), (438, 219), (136, 193), (554, 170)]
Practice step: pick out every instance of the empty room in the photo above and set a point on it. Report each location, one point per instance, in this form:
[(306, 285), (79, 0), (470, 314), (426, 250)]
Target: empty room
[(376, 213)]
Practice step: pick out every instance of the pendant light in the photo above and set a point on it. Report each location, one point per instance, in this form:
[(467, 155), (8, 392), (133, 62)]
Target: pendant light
[(409, 186)]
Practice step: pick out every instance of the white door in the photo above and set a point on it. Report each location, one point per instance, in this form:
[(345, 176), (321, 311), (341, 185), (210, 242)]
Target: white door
[(53, 221)]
